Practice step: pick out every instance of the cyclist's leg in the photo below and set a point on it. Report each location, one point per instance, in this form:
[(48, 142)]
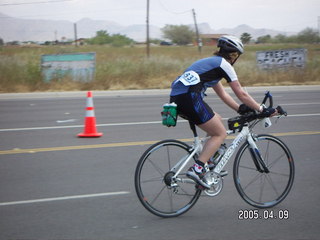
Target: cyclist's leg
[(199, 112), (195, 109), (217, 132)]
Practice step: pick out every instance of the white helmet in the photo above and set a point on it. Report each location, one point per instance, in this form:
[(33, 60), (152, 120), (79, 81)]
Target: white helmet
[(230, 44)]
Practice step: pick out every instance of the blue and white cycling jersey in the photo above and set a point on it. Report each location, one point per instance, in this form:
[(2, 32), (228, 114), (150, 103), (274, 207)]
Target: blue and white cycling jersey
[(210, 70)]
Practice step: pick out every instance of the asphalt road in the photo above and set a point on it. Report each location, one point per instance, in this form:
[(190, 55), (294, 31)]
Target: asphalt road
[(54, 185)]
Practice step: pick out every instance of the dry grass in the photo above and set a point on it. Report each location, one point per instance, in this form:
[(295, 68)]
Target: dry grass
[(129, 68)]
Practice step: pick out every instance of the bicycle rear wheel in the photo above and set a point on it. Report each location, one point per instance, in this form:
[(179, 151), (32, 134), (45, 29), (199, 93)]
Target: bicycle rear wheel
[(155, 188), (258, 188)]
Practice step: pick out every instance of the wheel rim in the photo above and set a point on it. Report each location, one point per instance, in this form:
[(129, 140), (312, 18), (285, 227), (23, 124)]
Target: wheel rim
[(264, 189), (154, 185)]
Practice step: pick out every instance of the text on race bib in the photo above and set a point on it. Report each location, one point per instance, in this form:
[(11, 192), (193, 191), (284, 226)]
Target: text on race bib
[(190, 78)]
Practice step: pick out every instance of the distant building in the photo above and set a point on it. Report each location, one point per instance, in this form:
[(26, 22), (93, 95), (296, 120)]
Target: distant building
[(80, 42), (210, 39)]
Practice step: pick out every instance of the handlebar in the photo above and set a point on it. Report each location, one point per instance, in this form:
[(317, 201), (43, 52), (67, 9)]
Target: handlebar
[(268, 96), (253, 115)]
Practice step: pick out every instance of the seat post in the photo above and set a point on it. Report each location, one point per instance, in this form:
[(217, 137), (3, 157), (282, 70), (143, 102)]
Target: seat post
[(193, 128)]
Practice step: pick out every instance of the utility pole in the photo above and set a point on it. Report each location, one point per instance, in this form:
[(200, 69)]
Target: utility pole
[(75, 34), (148, 37), (199, 41), (319, 26)]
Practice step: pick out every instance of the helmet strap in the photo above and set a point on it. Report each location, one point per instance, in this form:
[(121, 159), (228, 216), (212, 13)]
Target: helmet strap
[(235, 60)]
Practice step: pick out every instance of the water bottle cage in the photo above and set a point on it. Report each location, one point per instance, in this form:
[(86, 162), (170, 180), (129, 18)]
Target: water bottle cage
[(218, 155)]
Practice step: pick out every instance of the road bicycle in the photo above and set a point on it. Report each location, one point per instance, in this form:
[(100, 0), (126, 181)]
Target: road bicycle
[(263, 169)]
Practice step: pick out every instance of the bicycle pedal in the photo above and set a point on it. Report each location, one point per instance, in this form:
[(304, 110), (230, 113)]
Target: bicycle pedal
[(223, 173)]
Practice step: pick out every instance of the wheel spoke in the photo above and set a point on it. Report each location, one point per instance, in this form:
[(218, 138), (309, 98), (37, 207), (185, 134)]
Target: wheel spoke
[(170, 199), (253, 180), (155, 179), (275, 161), (262, 181), (250, 168), (156, 167), (280, 174), (269, 179), (157, 196), (168, 157), (185, 192)]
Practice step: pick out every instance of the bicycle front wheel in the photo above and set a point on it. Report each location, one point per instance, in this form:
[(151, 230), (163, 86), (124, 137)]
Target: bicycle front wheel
[(155, 186), (260, 188)]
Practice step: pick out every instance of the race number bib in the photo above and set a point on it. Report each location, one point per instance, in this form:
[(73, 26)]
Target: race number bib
[(189, 78)]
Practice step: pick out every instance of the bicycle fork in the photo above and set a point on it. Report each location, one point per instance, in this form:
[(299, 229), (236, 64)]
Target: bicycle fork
[(256, 155)]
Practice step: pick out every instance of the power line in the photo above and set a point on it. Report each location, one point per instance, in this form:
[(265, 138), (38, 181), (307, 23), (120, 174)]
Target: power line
[(11, 4), (166, 9), (70, 12)]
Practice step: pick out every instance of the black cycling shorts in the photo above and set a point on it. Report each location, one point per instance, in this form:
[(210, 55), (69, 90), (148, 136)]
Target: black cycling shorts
[(191, 106)]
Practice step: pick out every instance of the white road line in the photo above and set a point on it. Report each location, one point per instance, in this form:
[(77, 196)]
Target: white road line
[(304, 115), (124, 124), (64, 198), (78, 126), (295, 104)]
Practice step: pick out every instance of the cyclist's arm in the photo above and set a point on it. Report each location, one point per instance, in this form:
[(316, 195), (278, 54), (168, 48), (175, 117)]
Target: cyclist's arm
[(244, 96), (225, 97)]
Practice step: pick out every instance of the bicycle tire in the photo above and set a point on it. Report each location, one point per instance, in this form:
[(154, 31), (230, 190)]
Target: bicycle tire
[(260, 189), (153, 175)]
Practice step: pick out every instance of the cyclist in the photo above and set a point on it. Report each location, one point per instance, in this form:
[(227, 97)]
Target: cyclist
[(188, 91)]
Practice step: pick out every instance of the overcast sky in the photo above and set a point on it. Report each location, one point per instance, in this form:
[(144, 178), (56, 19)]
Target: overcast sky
[(284, 15)]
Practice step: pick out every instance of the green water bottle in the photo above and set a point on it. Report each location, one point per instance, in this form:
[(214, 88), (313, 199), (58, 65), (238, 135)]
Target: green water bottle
[(164, 114), (172, 114), (169, 114)]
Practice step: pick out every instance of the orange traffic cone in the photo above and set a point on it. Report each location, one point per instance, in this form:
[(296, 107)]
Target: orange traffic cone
[(90, 129)]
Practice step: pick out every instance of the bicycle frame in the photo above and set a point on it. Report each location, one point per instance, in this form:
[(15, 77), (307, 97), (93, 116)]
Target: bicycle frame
[(197, 148), (245, 133)]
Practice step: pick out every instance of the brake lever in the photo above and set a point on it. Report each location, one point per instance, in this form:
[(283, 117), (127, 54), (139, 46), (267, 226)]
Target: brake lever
[(281, 111)]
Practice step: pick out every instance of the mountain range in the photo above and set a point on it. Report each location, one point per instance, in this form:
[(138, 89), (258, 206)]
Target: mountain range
[(17, 29)]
